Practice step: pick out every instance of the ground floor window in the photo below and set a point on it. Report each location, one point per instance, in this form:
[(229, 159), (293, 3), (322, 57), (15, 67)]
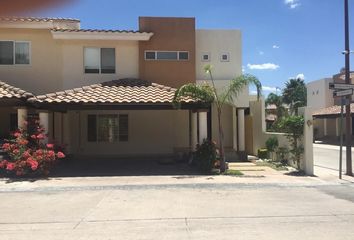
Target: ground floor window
[(107, 128)]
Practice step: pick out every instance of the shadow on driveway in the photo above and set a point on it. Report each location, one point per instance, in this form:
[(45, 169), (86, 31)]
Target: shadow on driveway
[(121, 167)]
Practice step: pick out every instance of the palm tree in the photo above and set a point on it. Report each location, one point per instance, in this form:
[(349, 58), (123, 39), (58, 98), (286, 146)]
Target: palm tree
[(295, 94), (209, 94)]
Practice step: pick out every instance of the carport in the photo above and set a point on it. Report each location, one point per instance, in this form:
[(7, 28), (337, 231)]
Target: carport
[(119, 122)]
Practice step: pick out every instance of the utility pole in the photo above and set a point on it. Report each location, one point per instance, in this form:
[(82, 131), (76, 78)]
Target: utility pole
[(348, 135)]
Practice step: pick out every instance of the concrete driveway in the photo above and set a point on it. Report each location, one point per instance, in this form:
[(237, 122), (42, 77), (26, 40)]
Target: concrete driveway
[(234, 210)]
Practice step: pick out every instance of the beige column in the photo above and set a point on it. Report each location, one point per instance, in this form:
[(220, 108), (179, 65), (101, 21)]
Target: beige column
[(194, 129), (307, 161), (44, 122), (234, 129), (241, 129), (21, 118), (203, 127)]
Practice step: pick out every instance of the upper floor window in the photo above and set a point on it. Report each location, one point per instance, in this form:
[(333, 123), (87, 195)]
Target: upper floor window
[(225, 57), (206, 57), (14, 53), (99, 60), (167, 55)]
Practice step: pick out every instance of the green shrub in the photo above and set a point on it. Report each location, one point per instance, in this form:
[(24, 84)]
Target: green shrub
[(205, 156), (272, 144), (263, 153)]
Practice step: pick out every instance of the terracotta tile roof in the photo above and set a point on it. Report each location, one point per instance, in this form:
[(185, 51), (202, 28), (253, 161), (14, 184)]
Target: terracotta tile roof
[(113, 92), (36, 19), (94, 30), (9, 92), (331, 111)]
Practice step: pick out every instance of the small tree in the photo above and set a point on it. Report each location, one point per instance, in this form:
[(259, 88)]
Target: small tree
[(293, 126), (210, 94)]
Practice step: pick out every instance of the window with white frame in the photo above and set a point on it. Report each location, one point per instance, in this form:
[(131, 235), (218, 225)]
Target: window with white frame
[(14, 53), (99, 60), (107, 128), (225, 57), (205, 57), (167, 55)]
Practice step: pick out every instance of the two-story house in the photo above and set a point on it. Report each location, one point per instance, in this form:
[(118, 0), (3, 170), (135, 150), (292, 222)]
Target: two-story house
[(109, 92)]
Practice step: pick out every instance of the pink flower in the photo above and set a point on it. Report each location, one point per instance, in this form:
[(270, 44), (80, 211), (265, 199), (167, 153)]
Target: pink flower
[(60, 155), (33, 136), (6, 146), (16, 151), (33, 163), (10, 166), (51, 154), (17, 134), (40, 136), (49, 145), (26, 154)]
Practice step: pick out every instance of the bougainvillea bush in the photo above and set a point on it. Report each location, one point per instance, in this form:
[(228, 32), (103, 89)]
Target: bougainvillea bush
[(28, 155)]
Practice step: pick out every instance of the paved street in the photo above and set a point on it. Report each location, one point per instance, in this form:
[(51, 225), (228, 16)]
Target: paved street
[(310, 209), (327, 157)]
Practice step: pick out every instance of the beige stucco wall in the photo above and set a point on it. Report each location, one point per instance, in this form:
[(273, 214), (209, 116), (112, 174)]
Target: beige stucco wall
[(216, 42), (260, 136), (43, 75), (319, 95), (226, 119), (151, 132), (127, 62), (59, 65)]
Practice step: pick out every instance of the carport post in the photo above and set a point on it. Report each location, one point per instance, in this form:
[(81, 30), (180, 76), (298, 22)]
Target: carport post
[(22, 117), (44, 122)]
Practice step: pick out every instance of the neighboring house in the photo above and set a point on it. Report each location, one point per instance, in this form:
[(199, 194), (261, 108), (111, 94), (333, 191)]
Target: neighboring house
[(109, 92), (326, 108), (271, 114)]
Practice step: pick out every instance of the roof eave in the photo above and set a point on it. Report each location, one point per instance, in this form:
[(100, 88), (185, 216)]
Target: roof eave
[(117, 36)]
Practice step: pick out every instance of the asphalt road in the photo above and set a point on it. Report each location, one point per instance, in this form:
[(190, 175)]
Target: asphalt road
[(215, 211), (327, 157)]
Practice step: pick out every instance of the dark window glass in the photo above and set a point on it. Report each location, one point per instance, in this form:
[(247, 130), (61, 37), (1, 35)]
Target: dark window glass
[(91, 128), (22, 54), (150, 55), (205, 57), (13, 122), (183, 56), (108, 60), (6, 53), (107, 126), (123, 128), (167, 55), (92, 60)]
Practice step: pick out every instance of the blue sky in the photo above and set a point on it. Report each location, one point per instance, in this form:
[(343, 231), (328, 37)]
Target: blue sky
[(281, 38)]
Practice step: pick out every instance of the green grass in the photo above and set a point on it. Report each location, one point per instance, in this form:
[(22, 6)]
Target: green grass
[(275, 165), (232, 172)]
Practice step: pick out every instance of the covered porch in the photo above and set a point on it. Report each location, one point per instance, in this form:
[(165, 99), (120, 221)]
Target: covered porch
[(124, 118)]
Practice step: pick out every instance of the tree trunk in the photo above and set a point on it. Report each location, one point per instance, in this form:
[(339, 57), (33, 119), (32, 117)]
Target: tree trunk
[(221, 144)]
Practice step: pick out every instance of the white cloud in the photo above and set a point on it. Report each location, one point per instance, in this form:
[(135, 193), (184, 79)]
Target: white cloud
[(243, 69), (292, 3), (269, 89), (300, 76), (264, 66), (276, 47), (261, 53), (253, 92)]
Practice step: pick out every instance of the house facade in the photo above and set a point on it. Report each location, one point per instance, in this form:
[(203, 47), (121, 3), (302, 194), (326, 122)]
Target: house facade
[(109, 92), (326, 107)]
